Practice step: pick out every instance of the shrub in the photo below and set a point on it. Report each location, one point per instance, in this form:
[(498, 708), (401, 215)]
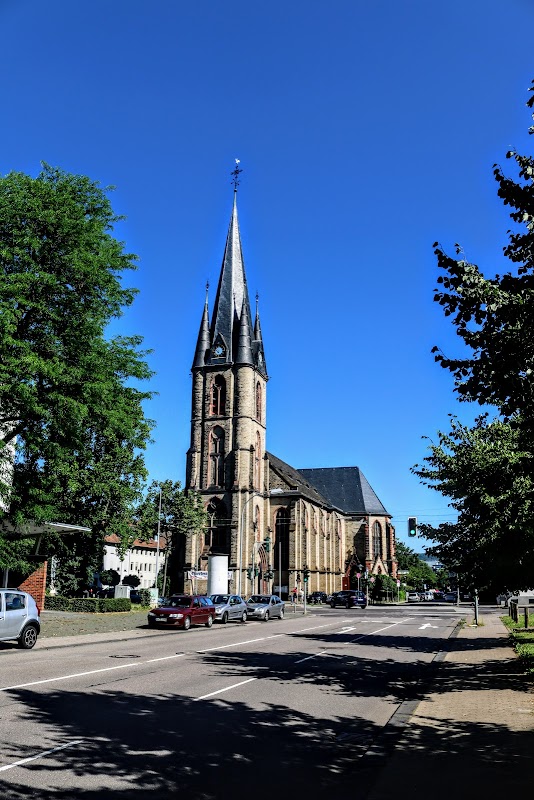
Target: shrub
[(55, 602), (145, 597), (87, 604), (114, 604)]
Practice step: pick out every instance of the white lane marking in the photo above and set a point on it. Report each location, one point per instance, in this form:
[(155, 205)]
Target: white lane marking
[(400, 622), (427, 625), (220, 691), (164, 658), (310, 657), (362, 636), (237, 644), (74, 675), (39, 755)]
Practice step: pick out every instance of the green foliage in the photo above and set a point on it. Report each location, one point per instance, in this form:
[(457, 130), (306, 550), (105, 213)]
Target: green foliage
[(384, 587), (487, 469), (110, 577), (145, 597), (87, 605), (420, 573), (182, 515), (131, 580), (522, 640), (68, 403)]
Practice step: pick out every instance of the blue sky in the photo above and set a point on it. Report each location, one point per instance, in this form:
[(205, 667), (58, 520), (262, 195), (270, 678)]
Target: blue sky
[(366, 131)]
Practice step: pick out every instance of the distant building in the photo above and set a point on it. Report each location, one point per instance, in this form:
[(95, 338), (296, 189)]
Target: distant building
[(271, 520), (140, 559)]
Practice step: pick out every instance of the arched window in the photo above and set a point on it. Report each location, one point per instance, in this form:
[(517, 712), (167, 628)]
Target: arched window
[(217, 537), (257, 521), (217, 457), (281, 542), (257, 463), (258, 401), (377, 539), (218, 396)]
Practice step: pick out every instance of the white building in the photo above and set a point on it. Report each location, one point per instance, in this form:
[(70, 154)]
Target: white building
[(142, 559)]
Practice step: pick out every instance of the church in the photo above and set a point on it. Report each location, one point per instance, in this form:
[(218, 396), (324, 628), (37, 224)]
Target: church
[(280, 527)]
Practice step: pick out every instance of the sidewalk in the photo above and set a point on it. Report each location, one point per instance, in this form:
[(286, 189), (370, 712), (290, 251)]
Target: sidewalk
[(472, 736)]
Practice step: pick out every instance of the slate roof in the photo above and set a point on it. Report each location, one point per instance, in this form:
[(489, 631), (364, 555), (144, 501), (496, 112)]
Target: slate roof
[(295, 480), (347, 488)]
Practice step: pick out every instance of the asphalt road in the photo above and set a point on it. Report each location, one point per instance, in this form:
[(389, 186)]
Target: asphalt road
[(293, 707)]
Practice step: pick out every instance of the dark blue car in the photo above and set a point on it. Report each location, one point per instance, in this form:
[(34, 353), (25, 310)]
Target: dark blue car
[(349, 598)]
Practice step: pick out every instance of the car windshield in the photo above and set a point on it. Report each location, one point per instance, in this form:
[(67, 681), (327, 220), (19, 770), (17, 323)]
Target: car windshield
[(219, 599), (259, 598), (178, 602)]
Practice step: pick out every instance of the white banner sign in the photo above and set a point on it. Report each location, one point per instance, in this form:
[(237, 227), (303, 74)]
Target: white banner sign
[(202, 574)]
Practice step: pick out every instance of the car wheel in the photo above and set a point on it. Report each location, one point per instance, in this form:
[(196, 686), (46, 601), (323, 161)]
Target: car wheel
[(332, 605), (266, 617), (281, 613), (28, 637), (209, 622), (224, 618), (244, 616), (187, 623)]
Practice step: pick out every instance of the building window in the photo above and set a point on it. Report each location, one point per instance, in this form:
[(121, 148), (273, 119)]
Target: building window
[(218, 396), (217, 537), (217, 457), (377, 540), (258, 401), (257, 463)]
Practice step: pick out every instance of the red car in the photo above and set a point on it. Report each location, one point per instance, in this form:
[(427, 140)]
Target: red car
[(182, 611)]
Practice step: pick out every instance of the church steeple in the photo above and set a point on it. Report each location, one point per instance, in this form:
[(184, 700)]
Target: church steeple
[(232, 305), (258, 342)]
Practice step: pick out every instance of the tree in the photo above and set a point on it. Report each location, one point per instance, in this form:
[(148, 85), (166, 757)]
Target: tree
[(131, 580), (487, 469), (182, 516), (419, 572), (72, 426), (110, 577)]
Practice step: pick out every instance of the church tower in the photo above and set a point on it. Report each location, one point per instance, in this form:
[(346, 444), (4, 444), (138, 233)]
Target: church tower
[(226, 460)]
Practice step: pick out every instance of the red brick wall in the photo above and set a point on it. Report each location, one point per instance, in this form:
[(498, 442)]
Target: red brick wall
[(35, 584)]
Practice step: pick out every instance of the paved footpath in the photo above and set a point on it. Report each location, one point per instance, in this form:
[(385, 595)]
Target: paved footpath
[(472, 736)]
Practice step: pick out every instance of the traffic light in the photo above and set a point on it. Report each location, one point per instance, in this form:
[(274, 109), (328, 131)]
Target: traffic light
[(412, 526), (249, 573), (306, 574), (298, 578)]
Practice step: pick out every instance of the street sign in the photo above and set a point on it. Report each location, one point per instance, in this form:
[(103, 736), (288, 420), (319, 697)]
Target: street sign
[(398, 583)]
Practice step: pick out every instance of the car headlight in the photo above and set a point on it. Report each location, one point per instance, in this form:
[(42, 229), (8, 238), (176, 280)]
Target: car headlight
[(175, 616), (151, 614), (218, 611)]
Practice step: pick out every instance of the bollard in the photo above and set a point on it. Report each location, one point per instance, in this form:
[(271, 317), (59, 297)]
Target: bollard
[(526, 616)]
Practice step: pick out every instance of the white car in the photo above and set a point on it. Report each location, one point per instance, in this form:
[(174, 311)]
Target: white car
[(413, 597), (19, 618)]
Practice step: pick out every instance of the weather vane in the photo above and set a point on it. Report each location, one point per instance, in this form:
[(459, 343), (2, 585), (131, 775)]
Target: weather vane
[(235, 174)]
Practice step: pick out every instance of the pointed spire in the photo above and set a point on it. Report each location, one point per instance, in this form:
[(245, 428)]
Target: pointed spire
[(203, 341), (232, 298), (258, 341), (244, 347)]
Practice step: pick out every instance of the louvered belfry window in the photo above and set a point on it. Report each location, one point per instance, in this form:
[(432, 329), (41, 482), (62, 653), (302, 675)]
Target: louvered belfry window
[(218, 396)]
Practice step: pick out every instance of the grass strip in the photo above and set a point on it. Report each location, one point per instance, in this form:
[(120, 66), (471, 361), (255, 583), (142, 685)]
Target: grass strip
[(522, 640)]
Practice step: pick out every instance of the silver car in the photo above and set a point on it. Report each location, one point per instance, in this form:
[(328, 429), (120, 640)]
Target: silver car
[(19, 618), (265, 606), (229, 607)]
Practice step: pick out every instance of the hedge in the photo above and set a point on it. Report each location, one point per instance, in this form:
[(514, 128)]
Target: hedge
[(87, 604)]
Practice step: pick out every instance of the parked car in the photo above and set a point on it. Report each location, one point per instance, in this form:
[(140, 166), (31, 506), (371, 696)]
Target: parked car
[(450, 597), (19, 618), (349, 598), (265, 606), (135, 597), (413, 597), (315, 598), (229, 607), (183, 610)]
